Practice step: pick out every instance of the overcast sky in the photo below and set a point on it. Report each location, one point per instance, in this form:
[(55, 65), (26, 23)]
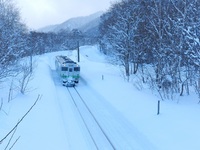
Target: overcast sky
[(40, 13)]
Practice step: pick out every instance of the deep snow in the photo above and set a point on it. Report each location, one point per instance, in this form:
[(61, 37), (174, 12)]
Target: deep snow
[(128, 115)]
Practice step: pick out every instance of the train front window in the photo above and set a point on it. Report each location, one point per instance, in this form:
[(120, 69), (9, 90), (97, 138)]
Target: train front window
[(64, 68), (76, 68), (70, 69)]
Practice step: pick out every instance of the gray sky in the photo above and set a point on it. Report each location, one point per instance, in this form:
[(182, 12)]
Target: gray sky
[(40, 13)]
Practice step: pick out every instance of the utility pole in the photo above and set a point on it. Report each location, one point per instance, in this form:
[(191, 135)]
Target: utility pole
[(78, 51)]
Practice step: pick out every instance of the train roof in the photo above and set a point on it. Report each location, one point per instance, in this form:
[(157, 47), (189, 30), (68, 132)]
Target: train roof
[(64, 59)]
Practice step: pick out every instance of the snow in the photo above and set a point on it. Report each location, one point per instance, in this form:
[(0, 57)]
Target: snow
[(127, 115)]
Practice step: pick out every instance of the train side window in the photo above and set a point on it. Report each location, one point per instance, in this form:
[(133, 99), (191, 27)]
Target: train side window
[(64, 68)]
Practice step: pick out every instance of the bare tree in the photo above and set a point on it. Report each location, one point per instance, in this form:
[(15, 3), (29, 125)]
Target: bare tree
[(13, 130), (10, 93), (25, 76)]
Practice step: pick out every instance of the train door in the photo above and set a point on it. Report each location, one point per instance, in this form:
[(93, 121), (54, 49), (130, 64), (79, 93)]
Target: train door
[(70, 76), (70, 71)]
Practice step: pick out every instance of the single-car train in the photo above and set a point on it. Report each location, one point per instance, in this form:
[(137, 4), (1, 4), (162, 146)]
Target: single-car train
[(68, 70)]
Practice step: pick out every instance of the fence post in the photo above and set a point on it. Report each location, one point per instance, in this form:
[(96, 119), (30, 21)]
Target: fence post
[(158, 110)]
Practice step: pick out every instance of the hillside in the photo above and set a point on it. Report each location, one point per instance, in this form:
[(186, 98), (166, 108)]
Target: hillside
[(83, 23)]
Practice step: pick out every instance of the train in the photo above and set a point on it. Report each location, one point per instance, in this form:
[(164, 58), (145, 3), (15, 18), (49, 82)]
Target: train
[(68, 70)]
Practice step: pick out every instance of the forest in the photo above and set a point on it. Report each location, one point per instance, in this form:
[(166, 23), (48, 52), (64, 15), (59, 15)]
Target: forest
[(156, 42)]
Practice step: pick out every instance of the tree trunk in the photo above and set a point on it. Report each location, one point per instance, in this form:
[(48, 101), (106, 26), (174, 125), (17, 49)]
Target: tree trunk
[(135, 68), (182, 89), (127, 70)]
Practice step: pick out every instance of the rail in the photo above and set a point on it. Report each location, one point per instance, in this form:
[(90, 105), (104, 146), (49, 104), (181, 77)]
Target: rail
[(91, 123)]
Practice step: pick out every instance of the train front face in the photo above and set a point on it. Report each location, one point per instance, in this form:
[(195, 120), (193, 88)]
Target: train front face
[(67, 75), (70, 74)]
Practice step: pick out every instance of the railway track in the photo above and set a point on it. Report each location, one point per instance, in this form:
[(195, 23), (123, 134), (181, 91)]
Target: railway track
[(94, 128), (101, 123)]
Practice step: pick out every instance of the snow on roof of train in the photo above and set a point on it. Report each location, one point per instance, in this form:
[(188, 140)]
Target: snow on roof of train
[(64, 59)]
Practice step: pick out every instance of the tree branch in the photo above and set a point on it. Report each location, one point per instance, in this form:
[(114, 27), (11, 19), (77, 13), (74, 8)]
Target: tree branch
[(38, 98)]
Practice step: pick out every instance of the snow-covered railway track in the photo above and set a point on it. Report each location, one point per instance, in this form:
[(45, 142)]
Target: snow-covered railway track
[(95, 130)]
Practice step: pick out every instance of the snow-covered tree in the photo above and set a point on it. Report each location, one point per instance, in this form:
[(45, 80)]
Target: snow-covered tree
[(12, 33), (119, 31), (163, 34)]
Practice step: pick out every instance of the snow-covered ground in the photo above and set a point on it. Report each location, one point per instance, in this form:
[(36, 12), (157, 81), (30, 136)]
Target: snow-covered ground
[(128, 116)]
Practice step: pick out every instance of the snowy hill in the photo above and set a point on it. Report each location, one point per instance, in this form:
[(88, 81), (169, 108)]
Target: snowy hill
[(127, 116), (49, 28), (83, 23)]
